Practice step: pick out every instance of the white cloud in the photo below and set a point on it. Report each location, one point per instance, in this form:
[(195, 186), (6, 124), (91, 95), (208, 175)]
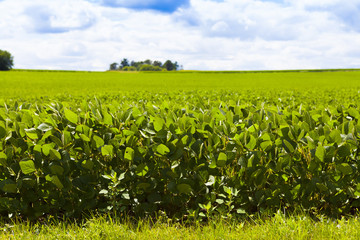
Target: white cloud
[(229, 34)]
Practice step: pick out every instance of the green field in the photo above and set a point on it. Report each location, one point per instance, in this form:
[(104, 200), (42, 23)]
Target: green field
[(191, 146), (32, 84)]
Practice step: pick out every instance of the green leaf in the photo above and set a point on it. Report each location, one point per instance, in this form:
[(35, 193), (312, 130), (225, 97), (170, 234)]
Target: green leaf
[(103, 192), (56, 169), (184, 188), (335, 136), (46, 148), (253, 128), (162, 149), (158, 123), (66, 137), (136, 112), (259, 177), (142, 170), (107, 150), (37, 149), (8, 186), (32, 133), (213, 163), (88, 164), (128, 133), (219, 201), (288, 146), (125, 196), (312, 166), (2, 130), (71, 116), (45, 127), (264, 145), (252, 143), (56, 140), (27, 167), (240, 211), (84, 137), (29, 182), (27, 118), (3, 159), (345, 168), (265, 137), (55, 180), (320, 153), (99, 142), (321, 187), (353, 112), (227, 190), (129, 154), (107, 118), (185, 140), (221, 161), (344, 150), (82, 129), (211, 181), (54, 155)]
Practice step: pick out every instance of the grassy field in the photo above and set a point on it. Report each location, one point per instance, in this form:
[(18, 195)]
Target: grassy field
[(35, 84), (276, 227)]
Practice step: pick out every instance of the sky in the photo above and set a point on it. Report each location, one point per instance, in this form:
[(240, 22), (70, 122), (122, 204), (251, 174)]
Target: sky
[(198, 34)]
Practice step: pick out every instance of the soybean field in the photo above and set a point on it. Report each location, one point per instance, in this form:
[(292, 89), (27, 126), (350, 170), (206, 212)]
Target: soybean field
[(184, 144)]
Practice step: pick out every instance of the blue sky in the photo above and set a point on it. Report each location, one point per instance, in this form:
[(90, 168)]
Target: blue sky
[(165, 6), (199, 34)]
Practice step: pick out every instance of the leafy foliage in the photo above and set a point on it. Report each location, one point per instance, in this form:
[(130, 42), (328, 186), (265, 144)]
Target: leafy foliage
[(147, 65), (6, 60), (193, 154)]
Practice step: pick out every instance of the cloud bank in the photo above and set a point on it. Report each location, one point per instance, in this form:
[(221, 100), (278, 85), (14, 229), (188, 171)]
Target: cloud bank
[(50, 20), (199, 34)]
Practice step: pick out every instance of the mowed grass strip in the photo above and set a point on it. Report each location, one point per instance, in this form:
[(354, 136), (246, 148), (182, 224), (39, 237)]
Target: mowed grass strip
[(17, 83), (277, 227)]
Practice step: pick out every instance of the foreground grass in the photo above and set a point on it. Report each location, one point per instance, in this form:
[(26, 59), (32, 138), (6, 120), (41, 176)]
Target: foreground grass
[(277, 227)]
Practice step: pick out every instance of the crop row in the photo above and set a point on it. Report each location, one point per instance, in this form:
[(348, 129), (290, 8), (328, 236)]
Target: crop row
[(191, 154)]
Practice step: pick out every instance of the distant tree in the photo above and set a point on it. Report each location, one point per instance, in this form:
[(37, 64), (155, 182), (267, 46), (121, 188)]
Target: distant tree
[(124, 63), (114, 66), (129, 68), (176, 66), (148, 67), (157, 63), (148, 62), (137, 65), (6, 60), (169, 65)]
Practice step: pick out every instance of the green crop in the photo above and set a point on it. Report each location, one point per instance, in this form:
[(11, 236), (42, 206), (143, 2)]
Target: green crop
[(27, 85), (194, 153)]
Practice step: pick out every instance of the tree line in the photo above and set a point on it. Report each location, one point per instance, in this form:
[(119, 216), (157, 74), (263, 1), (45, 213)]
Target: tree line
[(7, 62), (147, 65)]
